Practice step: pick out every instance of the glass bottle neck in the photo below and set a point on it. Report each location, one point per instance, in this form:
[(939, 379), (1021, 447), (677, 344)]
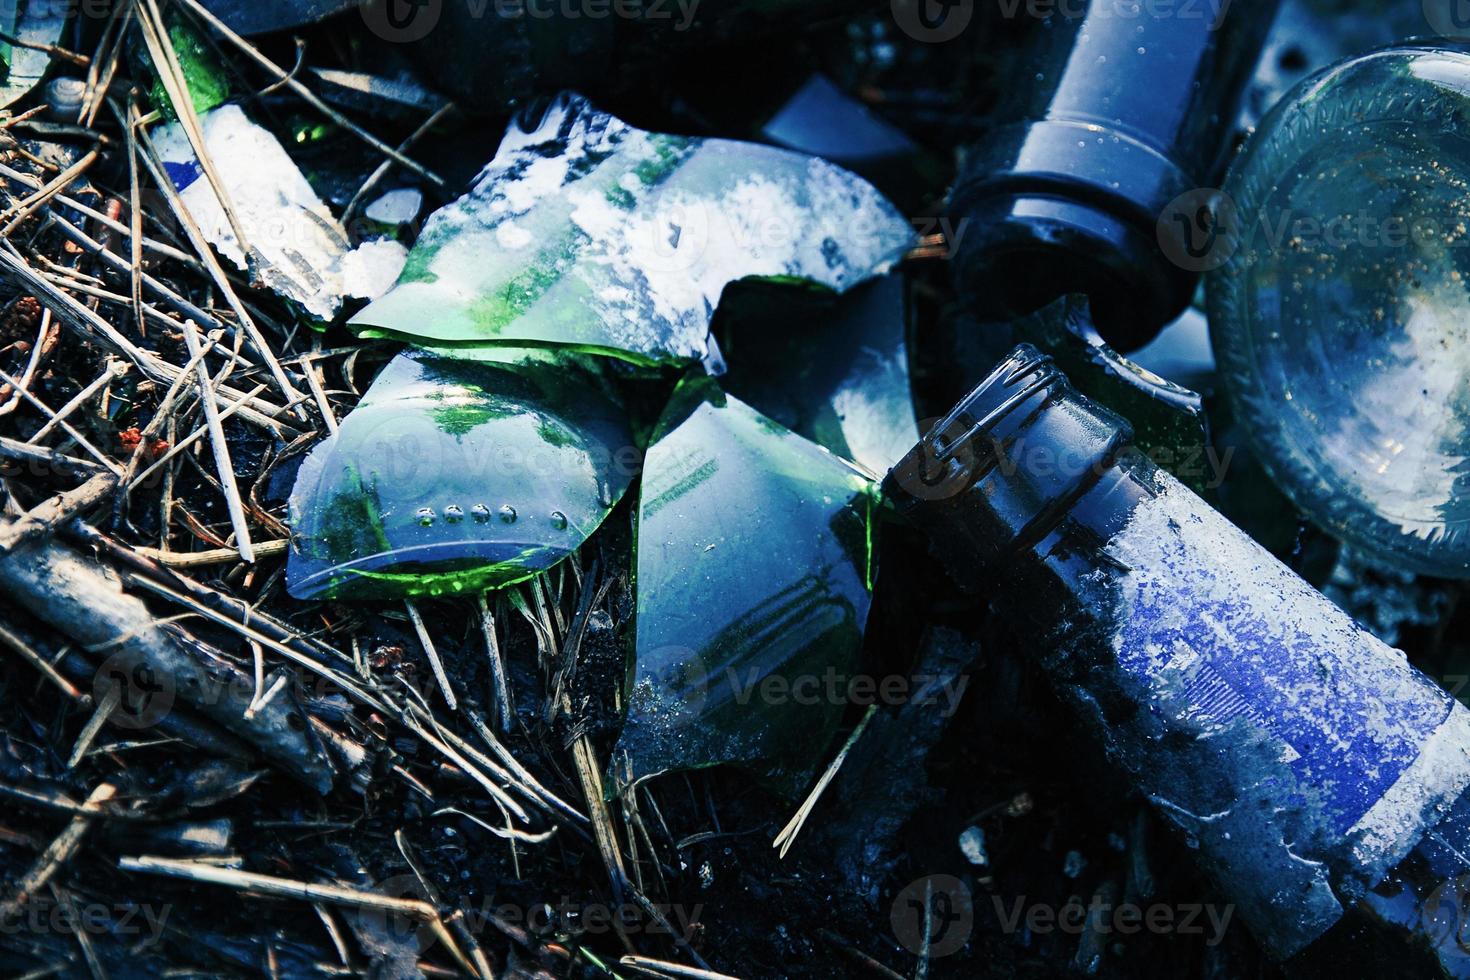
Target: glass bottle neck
[(1000, 472)]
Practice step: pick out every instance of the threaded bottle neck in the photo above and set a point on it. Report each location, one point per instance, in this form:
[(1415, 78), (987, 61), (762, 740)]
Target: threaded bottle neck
[(1002, 468)]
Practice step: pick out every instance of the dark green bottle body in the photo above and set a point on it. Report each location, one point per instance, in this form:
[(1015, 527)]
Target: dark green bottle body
[(1314, 771)]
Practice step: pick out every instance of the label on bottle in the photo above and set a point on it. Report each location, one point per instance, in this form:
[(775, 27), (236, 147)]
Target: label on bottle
[(1303, 754)]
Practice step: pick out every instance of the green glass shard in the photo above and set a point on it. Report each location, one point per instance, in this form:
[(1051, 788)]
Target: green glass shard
[(1169, 422), (587, 233), (38, 26), (754, 567), (458, 475), (205, 77), (831, 368)]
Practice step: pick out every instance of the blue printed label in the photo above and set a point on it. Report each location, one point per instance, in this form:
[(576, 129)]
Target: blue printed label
[(1270, 726), (183, 173)]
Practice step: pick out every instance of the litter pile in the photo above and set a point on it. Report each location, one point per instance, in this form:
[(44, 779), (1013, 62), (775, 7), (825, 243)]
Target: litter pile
[(446, 529)]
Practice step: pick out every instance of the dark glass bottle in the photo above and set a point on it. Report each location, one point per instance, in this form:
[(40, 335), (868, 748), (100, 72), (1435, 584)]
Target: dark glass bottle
[(1316, 771), (1091, 181)]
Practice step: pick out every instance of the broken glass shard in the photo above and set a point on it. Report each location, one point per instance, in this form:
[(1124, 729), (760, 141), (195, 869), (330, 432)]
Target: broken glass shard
[(397, 97), (37, 26), (297, 243), (754, 568), (825, 121), (204, 76), (821, 119), (458, 475), (587, 233), (831, 368)]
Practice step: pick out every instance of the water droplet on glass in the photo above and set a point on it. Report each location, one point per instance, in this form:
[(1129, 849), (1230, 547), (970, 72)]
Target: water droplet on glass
[(507, 513), (359, 501)]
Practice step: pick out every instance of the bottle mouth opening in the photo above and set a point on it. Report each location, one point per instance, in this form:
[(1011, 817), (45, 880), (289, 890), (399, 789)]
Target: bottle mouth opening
[(978, 435), (1029, 247), (1026, 376), (1023, 276)]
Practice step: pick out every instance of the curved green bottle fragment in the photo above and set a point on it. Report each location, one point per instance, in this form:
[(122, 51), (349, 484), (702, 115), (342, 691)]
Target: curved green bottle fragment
[(458, 475), (754, 570), (1169, 421), (204, 76), (587, 233), (832, 368)]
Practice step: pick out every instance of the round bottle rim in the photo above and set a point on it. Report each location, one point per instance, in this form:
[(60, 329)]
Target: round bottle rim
[(1434, 547)]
